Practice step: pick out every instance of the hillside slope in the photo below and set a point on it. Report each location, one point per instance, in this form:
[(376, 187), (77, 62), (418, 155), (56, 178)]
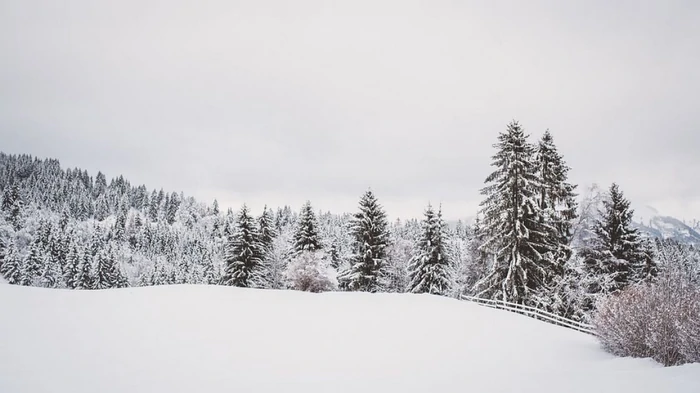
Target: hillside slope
[(219, 339)]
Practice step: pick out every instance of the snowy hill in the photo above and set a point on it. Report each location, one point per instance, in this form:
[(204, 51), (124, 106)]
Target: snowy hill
[(220, 339), (649, 220)]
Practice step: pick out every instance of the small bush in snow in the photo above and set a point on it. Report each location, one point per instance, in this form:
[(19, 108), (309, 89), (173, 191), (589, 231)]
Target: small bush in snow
[(660, 320), (311, 271)]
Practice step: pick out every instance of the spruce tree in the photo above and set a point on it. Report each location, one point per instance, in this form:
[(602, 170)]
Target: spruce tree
[(267, 229), (84, 275), (72, 265), (12, 205), (104, 271), (557, 205), (306, 237), (244, 255), (33, 263), (370, 240), (3, 250), (557, 197), (512, 226), (617, 251), (51, 274), (11, 268), (429, 268)]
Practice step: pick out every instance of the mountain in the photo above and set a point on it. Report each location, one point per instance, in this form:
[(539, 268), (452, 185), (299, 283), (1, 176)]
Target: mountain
[(650, 221), (194, 338)]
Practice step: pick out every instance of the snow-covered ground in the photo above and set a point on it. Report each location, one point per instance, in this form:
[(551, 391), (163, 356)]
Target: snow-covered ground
[(220, 339)]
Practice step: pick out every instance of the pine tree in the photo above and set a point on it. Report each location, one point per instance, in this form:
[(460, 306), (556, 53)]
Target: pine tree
[(33, 263), (84, 276), (429, 268), (370, 240), (244, 254), (617, 250), (72, 265), (557, 206), (51, 274), (267, 229), (557, 199), (103, 271), (3, 250), (11, 268), (306, 237), (12, 205), (512, 224), (171, 208)]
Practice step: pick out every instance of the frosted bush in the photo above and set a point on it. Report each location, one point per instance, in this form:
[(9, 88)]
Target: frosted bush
[(311, 272), (660, 320)]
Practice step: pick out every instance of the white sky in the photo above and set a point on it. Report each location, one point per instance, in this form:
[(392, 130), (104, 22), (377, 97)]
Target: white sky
[(274, 102)]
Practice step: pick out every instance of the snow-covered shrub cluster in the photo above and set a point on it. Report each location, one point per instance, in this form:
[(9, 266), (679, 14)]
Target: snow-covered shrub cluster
[(311, 271), (660, 320)]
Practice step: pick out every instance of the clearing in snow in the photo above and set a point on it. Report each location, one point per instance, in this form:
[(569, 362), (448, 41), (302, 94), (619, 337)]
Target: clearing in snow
[(220, 339)]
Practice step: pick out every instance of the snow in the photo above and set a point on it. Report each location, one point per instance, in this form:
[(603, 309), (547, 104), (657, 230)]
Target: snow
[(219, 339)]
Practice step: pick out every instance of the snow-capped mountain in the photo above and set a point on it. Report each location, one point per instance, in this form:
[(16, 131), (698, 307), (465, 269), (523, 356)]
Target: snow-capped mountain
[(650, 221)]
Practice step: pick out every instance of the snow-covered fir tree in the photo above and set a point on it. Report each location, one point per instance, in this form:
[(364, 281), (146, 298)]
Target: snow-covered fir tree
[(12, 206), (266, 228), (514, 233), (617, 251), (429, 268), (266, 237), (244, 254), (84, 277), (557, 199), (370, 240), (12, 267), (306, 237), (557, 212)]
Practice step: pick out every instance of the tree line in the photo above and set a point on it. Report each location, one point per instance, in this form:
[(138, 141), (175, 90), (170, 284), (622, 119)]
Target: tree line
[(532, 242)]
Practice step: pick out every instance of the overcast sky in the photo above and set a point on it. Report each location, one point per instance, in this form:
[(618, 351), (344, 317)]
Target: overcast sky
[(276, 102)]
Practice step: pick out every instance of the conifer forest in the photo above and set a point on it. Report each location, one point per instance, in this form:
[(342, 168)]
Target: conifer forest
[(537, 240)]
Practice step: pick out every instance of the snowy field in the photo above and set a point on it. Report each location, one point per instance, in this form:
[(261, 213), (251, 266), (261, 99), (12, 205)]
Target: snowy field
[(221, 339)]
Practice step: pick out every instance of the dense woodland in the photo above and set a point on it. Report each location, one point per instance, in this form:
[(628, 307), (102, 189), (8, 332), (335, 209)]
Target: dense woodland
[(537, 239)]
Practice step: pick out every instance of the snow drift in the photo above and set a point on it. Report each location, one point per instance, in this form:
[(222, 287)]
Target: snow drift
[(221, 339)]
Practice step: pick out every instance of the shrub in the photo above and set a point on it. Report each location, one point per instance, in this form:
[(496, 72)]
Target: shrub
[(660, 320), (312, 272)]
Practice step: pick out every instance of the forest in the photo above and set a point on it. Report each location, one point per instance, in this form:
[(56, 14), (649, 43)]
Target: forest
[(537, 240)]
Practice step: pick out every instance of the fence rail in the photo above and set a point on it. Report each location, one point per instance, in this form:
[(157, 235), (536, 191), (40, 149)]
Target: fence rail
[(533, 313)]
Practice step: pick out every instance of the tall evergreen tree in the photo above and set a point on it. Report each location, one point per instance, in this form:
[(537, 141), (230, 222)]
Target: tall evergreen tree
[(512, 225), (72, 265), (84, 273), (617, 251), (51, 273), (266, 229), (33, 263), (557, 199), (12, 205), (370, 240), (429, 268), (11, 268), (244, 254), (3, 250), (306, 237)]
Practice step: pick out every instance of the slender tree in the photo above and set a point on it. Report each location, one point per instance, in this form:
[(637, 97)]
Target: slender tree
[(429, 268), (557, 199), (306, 237), (12, 269), (370, 240), (244, 255), (617, 251)]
